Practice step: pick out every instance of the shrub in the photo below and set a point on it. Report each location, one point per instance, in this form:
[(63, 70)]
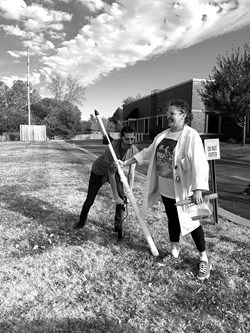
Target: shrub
[(12, 136)]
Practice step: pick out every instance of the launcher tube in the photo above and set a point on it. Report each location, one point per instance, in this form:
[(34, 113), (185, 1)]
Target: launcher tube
[(128, 190)]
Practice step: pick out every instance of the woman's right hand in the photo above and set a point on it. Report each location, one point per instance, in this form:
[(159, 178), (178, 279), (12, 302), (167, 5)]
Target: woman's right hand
[(120, 163)]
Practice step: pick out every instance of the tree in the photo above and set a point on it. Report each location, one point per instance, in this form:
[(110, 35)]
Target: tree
[(10, 120), (74, 90), (3, 104), (130, 99), (56, 85), (94, 123), (17, 96), (115, 122), (227, 92), (70, 118), (43, 108), (34, 96), (63, 120), (67, 88), (14, 105), (4, 89)]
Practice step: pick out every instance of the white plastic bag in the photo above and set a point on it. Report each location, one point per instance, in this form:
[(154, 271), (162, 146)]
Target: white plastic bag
[(197, 212)]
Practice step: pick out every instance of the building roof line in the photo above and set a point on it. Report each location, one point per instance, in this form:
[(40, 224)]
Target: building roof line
[(159, 91), (181, 83)]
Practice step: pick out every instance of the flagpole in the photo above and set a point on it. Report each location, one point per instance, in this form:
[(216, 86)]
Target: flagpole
[(128, 190), (28, 86)]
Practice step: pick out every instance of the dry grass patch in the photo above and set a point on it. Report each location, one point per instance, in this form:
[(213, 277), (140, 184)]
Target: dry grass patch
[(54, 279)]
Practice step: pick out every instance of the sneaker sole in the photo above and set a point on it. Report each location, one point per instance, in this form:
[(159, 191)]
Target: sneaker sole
[(170, 260)]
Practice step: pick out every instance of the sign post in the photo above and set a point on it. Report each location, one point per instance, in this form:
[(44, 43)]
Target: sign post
[(128, 190), (212, 150)]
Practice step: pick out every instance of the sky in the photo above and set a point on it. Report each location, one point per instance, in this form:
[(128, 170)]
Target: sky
[(118, 48)]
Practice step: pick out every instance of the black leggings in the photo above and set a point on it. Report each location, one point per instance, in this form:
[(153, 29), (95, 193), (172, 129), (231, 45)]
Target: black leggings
[(174, 225)]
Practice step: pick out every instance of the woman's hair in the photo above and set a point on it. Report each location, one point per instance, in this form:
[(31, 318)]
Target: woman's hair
[(126, 129), (183, 107)]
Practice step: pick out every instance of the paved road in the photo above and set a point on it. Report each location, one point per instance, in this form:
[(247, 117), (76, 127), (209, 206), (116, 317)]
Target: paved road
[(233, 175)]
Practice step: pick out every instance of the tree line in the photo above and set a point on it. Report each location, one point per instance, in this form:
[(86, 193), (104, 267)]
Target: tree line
[(60, 114)]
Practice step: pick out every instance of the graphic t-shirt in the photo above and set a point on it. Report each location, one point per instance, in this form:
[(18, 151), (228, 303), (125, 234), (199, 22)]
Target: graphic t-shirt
[(164, 157)]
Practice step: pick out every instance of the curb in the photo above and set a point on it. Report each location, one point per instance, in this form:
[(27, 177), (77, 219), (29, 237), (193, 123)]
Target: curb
[(233, 218)]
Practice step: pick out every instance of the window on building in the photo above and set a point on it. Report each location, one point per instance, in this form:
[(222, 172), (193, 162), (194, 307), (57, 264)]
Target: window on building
[(145, 125)]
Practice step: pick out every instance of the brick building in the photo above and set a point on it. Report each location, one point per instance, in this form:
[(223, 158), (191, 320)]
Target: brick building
[(146, 113)]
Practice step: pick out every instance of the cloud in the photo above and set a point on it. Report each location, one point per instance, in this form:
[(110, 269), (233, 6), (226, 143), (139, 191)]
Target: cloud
[(56, 35), (35, 17), (117, 34), (12, 9), (8, 80), (36, 42), (137, 30), (93, 5), (16, 54), (34, 79), (13, 30), (39, 17), (31, 24), (38, 45)]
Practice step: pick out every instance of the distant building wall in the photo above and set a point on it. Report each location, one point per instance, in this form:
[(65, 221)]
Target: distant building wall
[(95, 136), (33, 133), (149, 112)]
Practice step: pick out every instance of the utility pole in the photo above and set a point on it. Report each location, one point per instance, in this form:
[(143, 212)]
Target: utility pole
[(28, 86)]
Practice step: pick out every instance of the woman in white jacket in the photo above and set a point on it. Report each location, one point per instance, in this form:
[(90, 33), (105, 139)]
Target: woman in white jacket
[(178, 169)]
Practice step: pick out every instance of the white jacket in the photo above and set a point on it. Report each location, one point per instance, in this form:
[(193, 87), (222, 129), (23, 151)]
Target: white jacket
[(190, 172)]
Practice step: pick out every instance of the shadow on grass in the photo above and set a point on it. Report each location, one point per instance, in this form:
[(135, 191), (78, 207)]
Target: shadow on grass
[(61, 222), (69, 325), (39, 210), (103, 234)]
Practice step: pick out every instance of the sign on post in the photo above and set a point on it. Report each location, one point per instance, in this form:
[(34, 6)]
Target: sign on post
[(212, 151)]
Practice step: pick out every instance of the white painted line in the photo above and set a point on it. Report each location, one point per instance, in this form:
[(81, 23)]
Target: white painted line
[(86, 151), (242, 178)]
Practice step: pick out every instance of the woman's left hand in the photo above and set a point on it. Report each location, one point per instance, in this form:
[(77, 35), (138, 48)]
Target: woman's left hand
[(197, 197)]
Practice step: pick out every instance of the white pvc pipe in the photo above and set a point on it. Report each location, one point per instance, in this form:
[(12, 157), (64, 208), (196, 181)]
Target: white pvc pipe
[(128, 191)]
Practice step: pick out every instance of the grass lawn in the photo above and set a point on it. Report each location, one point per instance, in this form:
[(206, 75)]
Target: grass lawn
[(54, 279)]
